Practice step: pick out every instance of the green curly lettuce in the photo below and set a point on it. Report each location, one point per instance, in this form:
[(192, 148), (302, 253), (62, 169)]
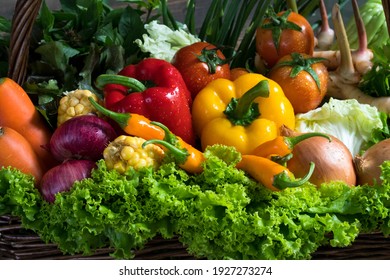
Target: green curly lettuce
[(221, 213)]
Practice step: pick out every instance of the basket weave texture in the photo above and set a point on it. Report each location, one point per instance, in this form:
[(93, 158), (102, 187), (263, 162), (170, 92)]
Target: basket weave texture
[(19, 243)]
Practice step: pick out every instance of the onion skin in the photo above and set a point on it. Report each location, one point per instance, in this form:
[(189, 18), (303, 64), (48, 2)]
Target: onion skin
[(333, 161), (367, 166), (82, 137), (62, 177)]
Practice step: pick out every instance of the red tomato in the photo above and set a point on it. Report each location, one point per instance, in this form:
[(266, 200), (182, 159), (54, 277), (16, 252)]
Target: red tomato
[(199, 64), (290, 40)]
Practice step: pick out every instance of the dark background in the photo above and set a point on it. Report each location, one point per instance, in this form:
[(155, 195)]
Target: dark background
[(177, 7)]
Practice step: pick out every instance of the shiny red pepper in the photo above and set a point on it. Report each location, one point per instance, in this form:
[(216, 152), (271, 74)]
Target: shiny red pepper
[(155, 89)]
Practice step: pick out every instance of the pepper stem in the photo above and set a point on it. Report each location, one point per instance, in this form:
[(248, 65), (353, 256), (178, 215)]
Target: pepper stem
[(170, 142), (283, 181), (168, 136), (105, 79), (294, 140), (243, 111), (180, 155), (121, 118)]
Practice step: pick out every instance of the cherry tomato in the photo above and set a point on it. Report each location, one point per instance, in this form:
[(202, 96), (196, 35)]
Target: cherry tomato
[(199, 64), (303, 78), (281, 34)]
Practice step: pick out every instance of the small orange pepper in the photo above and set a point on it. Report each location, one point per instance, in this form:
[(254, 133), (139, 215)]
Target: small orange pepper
[(272, 175)]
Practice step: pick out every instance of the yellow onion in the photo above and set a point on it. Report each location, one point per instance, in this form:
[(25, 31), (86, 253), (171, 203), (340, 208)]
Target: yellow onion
[(368, 165), (333, 160)]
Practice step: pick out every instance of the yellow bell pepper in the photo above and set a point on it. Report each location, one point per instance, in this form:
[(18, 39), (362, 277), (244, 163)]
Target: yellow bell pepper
[(243, 113)]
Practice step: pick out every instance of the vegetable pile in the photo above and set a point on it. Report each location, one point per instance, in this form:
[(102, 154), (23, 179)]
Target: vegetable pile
[(267, 155), (220, 213)]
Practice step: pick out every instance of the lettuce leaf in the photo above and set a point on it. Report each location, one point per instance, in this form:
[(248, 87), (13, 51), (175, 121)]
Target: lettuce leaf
[(348, 120), (163, 42), (219, 214)]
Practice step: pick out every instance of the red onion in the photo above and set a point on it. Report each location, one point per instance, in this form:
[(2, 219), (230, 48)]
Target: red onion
[(62, 177), (82, 137)]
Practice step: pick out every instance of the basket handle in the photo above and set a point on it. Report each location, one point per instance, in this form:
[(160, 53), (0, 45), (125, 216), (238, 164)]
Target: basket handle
[(23, 20)]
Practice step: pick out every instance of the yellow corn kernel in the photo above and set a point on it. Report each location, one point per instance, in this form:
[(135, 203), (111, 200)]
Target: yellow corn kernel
[(126, 152), (75, 103), (79, 109)]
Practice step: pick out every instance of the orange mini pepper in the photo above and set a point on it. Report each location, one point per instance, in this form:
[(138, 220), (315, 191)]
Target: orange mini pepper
[(282, 146), (272, 175)]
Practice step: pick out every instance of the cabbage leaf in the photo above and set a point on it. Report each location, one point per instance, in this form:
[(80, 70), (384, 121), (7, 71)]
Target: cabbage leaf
[(348, 120), (162, 42)]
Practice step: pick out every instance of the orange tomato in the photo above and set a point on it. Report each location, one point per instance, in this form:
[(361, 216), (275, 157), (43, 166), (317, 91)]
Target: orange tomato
[(294, 34), (304, 80)]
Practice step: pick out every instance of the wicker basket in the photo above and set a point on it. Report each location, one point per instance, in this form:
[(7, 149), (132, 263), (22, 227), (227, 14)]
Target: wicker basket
[(19, 243)]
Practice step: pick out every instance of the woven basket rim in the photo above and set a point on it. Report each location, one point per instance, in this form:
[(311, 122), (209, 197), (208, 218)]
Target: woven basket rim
[(19, 243)]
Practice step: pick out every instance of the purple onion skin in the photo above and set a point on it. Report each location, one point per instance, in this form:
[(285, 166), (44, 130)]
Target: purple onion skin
[(82, 137), (62, 177)]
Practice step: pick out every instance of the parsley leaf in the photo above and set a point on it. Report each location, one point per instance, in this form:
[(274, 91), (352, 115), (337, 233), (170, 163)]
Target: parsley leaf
[(376, 82)]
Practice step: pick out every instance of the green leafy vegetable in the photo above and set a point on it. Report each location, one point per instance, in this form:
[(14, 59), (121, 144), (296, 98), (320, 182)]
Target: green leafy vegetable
[(231, 24), (219, 214), (348, 120), (78, 42), (376, 82), (84, 37)]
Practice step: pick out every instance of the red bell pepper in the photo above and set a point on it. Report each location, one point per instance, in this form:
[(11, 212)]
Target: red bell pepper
[(155, 89)]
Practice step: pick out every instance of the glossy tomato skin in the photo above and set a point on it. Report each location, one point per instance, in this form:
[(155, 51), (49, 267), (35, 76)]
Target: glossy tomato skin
[(196, 73), (237, 72), (290, 40), (301, 90)]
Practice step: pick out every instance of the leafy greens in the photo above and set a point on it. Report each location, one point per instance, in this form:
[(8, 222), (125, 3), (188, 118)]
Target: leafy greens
[(70, 47), (218, 214), (376, 82)]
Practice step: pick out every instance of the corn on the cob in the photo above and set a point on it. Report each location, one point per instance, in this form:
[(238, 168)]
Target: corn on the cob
[(126, 151), (75, 103)]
